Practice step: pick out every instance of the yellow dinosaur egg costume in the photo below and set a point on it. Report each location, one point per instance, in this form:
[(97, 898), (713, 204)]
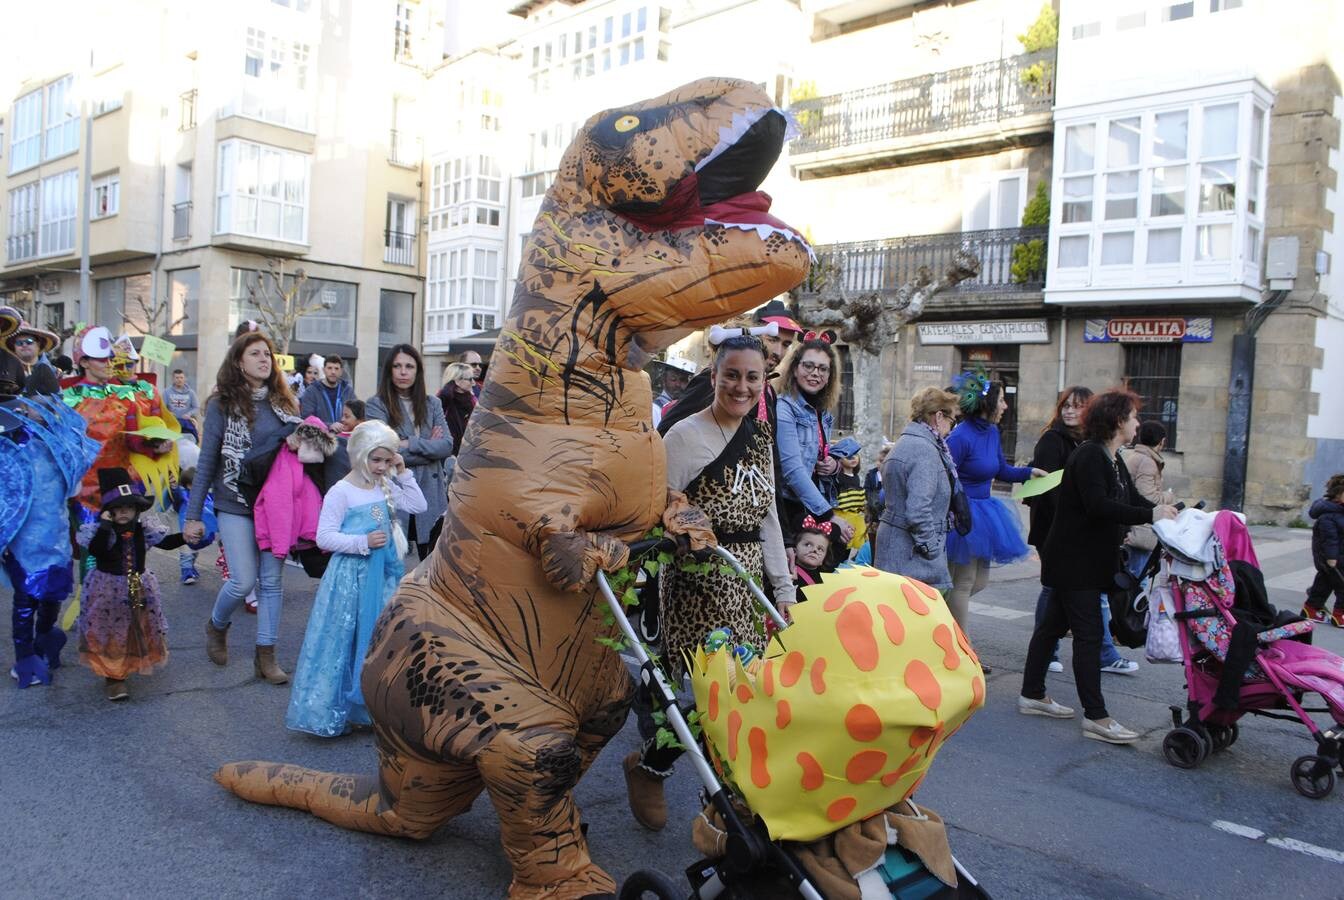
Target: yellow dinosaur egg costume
[(484, 672), (848, 709)]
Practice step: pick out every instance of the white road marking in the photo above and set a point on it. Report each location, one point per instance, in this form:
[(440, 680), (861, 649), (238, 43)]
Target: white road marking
[(1282, 843), (998, 612), (1309, 849), (1245, 831)]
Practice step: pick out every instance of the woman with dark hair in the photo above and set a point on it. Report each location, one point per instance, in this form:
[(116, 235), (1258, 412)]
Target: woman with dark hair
[(1060, 438), (404, 405), (808, 392), (721, 458), (252, 401), (977, 451), (1094, 504)]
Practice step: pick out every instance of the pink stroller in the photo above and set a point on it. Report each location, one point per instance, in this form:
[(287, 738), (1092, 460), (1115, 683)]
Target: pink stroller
[(1262, 671)]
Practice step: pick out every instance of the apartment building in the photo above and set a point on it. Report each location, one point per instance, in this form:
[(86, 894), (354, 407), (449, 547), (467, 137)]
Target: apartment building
[(903, 163), (214, 143), (1189, 136)]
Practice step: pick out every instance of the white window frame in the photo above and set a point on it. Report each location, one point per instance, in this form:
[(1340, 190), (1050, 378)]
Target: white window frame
[(243, 202), (58, 206), (60, 136), (22, 234), (1240, 229), (106, 194), (980, 186), (25, 139), (275, 85)]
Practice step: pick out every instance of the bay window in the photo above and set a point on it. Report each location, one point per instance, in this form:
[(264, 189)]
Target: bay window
[(60, 197), (275, 86), (261, 191), (22, 235), (62, 131), (1162, 194)]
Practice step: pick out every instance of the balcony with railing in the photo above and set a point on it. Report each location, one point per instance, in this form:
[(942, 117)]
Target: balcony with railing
[(182, 220), (403, 150), (1012, 265), (399, 248), (1004, 102)]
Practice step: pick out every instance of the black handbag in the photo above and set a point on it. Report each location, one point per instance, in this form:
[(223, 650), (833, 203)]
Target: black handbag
[(1129, 607), (960, 506)]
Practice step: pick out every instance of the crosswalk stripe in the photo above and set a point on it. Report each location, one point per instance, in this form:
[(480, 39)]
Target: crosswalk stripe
[(1298, 580), (998, 612)]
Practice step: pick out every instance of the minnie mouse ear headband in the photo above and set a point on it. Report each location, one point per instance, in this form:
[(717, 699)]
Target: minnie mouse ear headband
[(826, 337), (815, 527), (971, 388), (94, 341)]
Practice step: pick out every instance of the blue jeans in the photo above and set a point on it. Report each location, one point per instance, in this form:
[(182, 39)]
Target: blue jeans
[(249, 567), (1108, 652)]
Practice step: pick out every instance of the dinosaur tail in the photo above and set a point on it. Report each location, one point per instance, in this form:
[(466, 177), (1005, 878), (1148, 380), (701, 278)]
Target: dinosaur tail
[(350, 801)]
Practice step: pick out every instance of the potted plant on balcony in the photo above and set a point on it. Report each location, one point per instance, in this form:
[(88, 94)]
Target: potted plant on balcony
[(1029, 256)]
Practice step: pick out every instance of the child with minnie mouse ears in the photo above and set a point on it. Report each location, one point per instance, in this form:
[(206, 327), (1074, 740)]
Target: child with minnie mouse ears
[(810, 546)]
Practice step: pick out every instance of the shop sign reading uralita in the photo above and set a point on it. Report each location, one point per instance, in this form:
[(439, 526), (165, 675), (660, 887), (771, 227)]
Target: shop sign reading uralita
[(1149, 330), (1033, 331)]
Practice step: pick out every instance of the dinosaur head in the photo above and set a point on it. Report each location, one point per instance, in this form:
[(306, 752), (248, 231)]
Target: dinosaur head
[(665, 191)]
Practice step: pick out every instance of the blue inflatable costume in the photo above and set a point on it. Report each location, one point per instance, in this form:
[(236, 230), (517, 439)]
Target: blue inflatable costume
[(44, 453)]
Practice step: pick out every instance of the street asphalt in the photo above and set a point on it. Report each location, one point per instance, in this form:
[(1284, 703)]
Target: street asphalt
[(116, 800)]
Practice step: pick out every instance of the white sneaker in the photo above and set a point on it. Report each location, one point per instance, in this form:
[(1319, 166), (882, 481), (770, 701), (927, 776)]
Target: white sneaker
[(14, 673), (1047, 707), (1122, 666), (1108, 730), (1056, 666)]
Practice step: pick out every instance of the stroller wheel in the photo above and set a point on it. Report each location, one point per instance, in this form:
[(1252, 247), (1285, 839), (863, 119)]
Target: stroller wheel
[(648, 882), (1313, 776), (1184, 748), (1224, 736)]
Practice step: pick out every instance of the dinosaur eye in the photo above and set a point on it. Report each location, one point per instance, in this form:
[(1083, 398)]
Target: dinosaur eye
[(626, 123)]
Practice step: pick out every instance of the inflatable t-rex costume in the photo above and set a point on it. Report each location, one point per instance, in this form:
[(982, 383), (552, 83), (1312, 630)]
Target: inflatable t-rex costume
[(484, 670)]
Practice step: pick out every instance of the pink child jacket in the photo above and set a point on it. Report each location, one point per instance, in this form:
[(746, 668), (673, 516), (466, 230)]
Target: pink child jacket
[(288, 506)]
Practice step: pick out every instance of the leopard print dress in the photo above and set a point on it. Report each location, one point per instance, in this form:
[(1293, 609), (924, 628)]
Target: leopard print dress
[(735, 491)]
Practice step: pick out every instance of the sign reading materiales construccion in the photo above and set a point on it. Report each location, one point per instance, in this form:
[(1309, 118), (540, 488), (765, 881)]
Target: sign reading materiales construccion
[(1030, 331)]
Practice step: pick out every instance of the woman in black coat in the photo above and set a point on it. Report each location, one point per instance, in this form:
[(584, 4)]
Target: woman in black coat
[(1094, 505)]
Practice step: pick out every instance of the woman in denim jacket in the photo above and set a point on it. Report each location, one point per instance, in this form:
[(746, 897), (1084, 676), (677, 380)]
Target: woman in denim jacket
[(809, 389)]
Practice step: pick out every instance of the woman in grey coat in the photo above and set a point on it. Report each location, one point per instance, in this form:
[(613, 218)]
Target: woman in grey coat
[(403, 404), (912, 536)]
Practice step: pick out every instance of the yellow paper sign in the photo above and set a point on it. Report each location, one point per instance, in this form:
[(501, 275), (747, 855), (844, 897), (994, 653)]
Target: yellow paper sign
[(285, 362), (1037, 486), (158, 350)]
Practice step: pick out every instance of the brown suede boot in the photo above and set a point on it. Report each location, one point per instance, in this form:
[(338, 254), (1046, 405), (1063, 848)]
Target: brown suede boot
[(217, 643), (645, 790), (266, 666)]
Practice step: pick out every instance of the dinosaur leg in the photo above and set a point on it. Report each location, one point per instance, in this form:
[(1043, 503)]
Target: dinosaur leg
[(410, 797), (530, 777), (612, 708)]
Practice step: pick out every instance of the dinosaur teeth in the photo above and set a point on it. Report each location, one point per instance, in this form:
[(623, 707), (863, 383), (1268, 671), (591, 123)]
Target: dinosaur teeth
[(742, 123), (764, 230)]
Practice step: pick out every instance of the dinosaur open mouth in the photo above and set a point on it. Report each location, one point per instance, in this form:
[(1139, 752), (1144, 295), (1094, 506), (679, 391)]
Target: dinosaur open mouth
[(723, 188)]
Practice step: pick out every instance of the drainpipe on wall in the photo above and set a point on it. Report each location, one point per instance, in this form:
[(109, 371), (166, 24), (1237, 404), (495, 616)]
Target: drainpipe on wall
[(1063, 350), (1281, 260)]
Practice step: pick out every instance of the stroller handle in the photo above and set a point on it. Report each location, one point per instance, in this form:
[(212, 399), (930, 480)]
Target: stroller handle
[(673, 545)]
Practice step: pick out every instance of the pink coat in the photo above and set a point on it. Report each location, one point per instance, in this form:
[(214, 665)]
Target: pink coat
[(287, 508)]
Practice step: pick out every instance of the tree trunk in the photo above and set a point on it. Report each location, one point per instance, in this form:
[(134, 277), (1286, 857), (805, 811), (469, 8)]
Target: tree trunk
[(869, 322)]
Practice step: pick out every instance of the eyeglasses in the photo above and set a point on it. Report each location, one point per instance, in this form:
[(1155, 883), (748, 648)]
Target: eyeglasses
[(819, 368), (475, 365), (24, 342)]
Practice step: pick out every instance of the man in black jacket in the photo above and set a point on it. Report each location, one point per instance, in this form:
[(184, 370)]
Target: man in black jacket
[(326, 397)]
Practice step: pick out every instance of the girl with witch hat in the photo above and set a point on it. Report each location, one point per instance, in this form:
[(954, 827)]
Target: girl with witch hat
[(121, 626)]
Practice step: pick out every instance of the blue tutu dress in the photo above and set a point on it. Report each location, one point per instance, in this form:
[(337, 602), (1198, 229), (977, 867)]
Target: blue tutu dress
[(326, 698), (996, 533)]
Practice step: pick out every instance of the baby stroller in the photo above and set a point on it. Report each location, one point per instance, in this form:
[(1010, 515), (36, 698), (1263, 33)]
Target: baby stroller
[(1241, 656), (752, 866)]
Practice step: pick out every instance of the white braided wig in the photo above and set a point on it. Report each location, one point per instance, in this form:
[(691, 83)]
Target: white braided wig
[(366, 438)]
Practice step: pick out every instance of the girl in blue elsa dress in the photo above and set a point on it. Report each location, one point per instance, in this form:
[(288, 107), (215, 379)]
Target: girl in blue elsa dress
[(358, 526)]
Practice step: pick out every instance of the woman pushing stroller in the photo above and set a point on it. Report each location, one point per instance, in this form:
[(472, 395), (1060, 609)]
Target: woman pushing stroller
[(722, 458), (1096, 501)]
